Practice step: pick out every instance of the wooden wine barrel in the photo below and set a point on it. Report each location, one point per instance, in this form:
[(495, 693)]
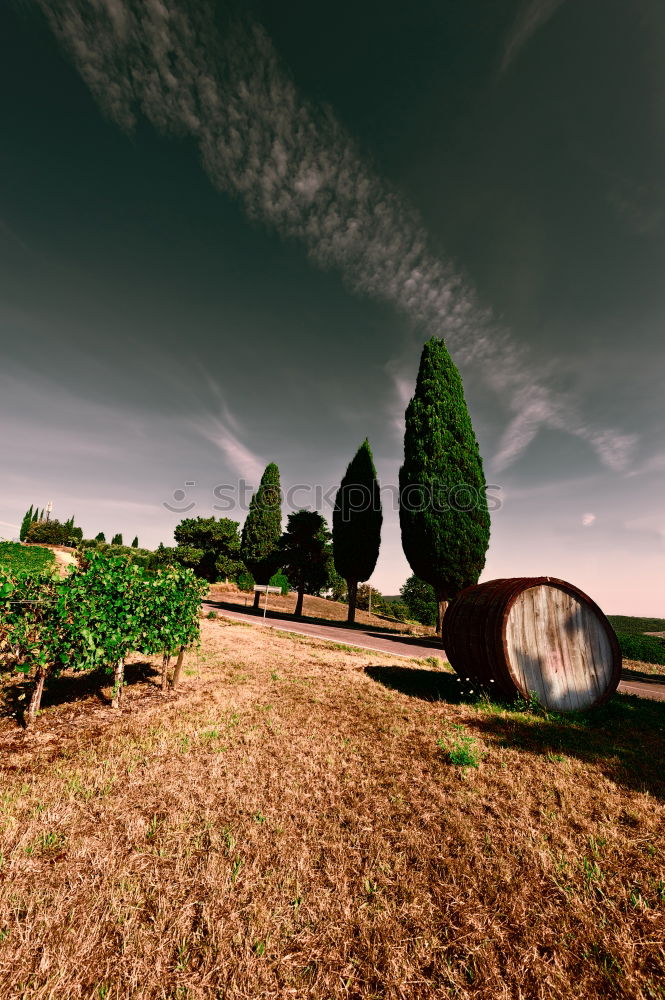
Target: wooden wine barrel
[(534, 634)]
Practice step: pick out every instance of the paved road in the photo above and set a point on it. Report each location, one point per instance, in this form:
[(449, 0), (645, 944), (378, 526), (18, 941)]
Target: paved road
[(384, 641)]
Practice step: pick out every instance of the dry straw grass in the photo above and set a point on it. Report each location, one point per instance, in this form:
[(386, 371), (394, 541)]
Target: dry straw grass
[(287, 826), (317, 608)]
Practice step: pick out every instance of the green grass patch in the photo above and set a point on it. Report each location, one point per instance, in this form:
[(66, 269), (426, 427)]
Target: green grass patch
[(25, 558)]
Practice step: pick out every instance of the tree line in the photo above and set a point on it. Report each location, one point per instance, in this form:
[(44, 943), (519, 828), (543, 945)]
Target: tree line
[(443, 513), (444, 517)]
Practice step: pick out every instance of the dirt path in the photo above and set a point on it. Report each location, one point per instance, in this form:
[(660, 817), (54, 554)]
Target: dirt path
[(64, 558), (637, 682)]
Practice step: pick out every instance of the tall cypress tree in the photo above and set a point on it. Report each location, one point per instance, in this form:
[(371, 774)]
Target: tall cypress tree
[(357, 519), (262, 530), (25, 524), (443, 505)]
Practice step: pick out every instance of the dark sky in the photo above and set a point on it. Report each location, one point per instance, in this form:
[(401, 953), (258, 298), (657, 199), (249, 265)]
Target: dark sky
[(226, 231)]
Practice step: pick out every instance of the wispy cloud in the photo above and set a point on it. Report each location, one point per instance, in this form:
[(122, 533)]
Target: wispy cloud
[(588, 519), (296, 170), (225, 433), (532, 16)]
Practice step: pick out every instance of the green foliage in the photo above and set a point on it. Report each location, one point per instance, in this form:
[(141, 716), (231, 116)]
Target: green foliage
[(399, 610), (363, 599), (647, 648), (337, 585), (279, 580), (53, 533), (461, 750), (305, 552), (101, 537), (357, 519), (246, 581), (25, 558), (262, 529), (420, 600), (443, 507), (25, 523), (117, 539), (96, 615), (135, 543), (636, 626), (218, 542)]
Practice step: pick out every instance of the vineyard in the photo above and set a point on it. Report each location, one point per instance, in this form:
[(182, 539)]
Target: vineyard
[(25, 558), (93, 618)]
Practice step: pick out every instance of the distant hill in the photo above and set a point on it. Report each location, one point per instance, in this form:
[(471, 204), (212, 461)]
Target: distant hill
[(636, 626)]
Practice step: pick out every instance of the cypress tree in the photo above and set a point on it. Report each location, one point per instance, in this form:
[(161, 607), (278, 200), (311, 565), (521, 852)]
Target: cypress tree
[(35, 516), (101, 537), (443, 505), (135, 543), (262, 530), (25, 524), (117, 539), (357, 519)]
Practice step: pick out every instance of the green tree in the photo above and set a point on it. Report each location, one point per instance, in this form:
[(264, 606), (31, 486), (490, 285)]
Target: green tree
[(218, 542), (443, 505), (35, 516), (101, 537), (420, 600), (279, 580), (262, 529), (337, 585), (370, 599), (25, 524), (48, 533), (117, 539), (357, 520), (305, 553), (135, 543)]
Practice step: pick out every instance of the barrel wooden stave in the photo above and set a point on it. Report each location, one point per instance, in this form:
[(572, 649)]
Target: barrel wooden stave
[(516, 636)]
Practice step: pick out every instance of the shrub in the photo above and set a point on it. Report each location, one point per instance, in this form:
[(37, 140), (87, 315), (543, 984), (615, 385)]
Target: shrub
[(279, 580), (246, 582), (95, 616), (46, 533)]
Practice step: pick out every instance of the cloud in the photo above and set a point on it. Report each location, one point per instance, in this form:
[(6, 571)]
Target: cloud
[(8, 524), (243, 462), (588, 519), (533, 16), (297, 171)]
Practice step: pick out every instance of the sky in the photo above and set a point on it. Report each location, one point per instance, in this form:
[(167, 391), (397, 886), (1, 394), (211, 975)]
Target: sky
[(227, 229)]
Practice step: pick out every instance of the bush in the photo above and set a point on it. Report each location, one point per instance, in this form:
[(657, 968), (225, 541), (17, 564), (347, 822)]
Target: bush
[(420, 599), (279, 580), (47, 533), (246, 582), (647, 648), (94, 617)]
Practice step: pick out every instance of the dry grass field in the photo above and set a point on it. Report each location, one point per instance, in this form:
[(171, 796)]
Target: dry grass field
[(299, 821), (315, 608)]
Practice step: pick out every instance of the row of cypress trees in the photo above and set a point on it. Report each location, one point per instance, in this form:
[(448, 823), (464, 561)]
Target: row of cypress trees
[(33, 514), (444, 540)]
